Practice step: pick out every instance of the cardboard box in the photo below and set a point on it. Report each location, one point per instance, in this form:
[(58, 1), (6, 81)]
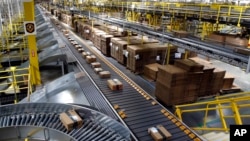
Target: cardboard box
[(97, 70), (84, 55), (171, 75), (164, 131), (189, 65), (96, 65), (71, 119), (90, 59), (80, 50), (105, 44), (104, 74), (228, 81), (151, 70), (155, 134), (115, 84)]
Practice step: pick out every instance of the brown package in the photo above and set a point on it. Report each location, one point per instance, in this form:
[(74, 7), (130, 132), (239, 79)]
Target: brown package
[(155, 134), (90, 59), (95, 65), (115, 84), (97, 70), (70, 120), (164, 131), (104, 74)]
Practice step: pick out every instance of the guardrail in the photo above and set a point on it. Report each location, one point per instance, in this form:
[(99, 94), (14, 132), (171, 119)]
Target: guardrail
[(227, 107)]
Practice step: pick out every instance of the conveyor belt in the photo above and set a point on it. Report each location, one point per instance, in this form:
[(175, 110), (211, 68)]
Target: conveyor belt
[(96, 126), (141, 114)]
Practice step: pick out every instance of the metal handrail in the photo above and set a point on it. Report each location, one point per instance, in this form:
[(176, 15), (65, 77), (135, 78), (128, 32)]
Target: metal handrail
[(15, 83), (229, 102)]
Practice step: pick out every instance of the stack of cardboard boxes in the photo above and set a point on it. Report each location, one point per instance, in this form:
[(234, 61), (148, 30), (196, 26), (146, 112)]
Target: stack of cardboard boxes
[(187, 80), (140, 55)]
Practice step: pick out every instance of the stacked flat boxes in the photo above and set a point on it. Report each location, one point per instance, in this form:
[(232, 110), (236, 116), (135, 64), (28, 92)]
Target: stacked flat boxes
[(228, 81), (115, 45), (121, 47), (170, 85), (86, 33), (105, 44), (179, 83), (151, 70), (96, 37), (140, 55), (216, 83), (213, 80)]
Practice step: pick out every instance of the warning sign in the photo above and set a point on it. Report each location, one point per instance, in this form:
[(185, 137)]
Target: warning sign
[(30, 27)]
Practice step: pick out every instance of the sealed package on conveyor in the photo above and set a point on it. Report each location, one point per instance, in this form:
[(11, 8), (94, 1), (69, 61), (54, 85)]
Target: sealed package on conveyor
[(71, 119), (95, 65), (155, 134), (115, 84), (164, 132), (85, 54), (90, 59), (80, 50), (97, 70), (78, 46), (104, 74)]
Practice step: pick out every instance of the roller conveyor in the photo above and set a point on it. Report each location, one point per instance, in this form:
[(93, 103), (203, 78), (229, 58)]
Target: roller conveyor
[(45, 115)]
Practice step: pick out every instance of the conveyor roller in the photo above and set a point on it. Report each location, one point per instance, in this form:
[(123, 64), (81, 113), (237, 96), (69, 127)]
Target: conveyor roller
[(46, 116)]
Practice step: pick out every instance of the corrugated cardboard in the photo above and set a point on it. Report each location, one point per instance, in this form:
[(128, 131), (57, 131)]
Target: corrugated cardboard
[(151, 70), (155, 134), (115, 84), (71, 119), (90, 59), (95, 65), (104, 74), (164, 131), (97, 70)]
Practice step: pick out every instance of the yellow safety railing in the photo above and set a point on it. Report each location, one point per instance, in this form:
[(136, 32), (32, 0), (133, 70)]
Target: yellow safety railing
[(14, 81), (232, 103)]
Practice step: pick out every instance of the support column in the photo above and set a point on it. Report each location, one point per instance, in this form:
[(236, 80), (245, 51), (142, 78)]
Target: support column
[(29, 18)]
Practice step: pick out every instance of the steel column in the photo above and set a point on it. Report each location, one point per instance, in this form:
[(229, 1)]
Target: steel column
[(29, 15)]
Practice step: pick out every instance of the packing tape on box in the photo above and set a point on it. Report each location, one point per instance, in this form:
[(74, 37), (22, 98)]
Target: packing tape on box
[(116, 83), (73, 118)]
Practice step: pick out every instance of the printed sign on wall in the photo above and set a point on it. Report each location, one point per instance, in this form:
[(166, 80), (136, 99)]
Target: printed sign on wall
[(29, 27)]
